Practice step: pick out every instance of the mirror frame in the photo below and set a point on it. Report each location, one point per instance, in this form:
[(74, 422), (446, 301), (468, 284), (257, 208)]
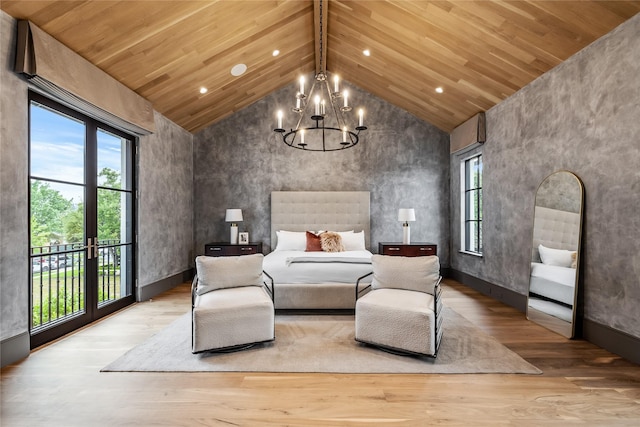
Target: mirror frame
[(567, 329)]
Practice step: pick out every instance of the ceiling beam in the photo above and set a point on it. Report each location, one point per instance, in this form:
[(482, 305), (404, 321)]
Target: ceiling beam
[(320, 18)]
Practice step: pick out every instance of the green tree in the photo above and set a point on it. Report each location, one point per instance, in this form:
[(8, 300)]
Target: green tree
[(109, 206), (40, 236), (48, 210), (53, 216), (74, 225)]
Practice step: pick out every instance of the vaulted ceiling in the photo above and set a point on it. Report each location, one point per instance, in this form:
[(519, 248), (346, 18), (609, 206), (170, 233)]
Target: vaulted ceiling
[(479, 52)]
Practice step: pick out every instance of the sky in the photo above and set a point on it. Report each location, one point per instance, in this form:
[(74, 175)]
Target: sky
[(57, 151)]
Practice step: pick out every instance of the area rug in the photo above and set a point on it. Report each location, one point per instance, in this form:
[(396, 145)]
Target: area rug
[(323, 343)]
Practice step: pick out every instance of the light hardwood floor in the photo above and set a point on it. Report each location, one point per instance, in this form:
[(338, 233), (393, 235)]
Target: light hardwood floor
[(60, 384)]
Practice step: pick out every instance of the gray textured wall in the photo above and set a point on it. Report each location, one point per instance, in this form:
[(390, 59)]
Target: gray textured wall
[(582, 116), (165, 213), (401, 160), (14, 245)]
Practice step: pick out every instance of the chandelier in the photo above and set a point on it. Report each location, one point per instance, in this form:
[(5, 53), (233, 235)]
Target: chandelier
[(320, 113), (321, 125)]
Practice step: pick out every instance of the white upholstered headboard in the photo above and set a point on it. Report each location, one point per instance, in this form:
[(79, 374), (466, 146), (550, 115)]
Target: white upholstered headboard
[(556, 229), (320, 210)]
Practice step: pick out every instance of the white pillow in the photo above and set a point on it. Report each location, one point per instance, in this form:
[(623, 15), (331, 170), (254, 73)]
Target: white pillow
[(291, 240), (228, 272), (419, 273), (557, 257), (353, 241)]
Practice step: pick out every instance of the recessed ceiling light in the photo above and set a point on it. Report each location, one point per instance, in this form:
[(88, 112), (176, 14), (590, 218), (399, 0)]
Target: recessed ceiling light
[(439, 89), (238, 70), (203, 90), (366, 52), (276, 52)]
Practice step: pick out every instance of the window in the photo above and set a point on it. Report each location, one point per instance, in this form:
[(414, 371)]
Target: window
[(471, 205)]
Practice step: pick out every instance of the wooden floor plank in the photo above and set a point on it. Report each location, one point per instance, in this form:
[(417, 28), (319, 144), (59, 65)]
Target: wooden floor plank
[(60, 384)]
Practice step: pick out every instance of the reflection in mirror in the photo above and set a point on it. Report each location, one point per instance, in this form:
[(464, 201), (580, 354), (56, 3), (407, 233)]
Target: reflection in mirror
[(555, 253)]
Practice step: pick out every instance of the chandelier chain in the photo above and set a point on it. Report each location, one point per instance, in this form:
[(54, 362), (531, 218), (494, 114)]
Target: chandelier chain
[(322, 66)]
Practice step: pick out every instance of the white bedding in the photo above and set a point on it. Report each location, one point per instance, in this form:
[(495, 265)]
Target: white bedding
[(317, 267), (553, 282), (563, 275)]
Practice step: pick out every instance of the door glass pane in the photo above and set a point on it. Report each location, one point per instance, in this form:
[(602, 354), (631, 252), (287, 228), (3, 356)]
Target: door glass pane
[(57, 255), (114, 226), (57, 213), (57, 145), (114, 273), (57, 284), (115, 233), (112, 161), (57, 150)]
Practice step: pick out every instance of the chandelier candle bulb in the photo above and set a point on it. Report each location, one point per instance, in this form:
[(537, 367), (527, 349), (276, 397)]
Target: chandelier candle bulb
[(361, 117), (279, 119), (322, 110), (336, 87), (301, 136), (302, 85), (344, 134), (316, 100), (297, 103)]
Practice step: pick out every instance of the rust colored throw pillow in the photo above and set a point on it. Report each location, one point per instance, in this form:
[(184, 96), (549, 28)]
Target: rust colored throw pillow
[(331, 242), (313, 243)]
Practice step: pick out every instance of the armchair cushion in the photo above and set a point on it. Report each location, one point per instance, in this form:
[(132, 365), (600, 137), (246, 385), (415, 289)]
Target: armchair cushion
[(228, 272), (397, 319), (231, 317), (419, 274)]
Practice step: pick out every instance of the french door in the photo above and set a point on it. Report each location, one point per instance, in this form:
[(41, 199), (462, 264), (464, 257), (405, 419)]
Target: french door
[(81, 216)]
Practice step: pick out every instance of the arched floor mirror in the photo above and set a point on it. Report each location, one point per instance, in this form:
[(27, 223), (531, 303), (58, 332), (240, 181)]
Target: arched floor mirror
[(555, 253)]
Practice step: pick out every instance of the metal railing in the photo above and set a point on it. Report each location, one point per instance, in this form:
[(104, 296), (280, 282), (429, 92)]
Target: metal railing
[(58, 280)]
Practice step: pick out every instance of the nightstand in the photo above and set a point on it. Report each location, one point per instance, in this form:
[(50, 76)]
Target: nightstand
[(411, 249), (227, 249)]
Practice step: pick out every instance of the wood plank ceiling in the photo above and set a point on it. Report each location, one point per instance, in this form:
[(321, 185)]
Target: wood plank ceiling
[(479, 52)]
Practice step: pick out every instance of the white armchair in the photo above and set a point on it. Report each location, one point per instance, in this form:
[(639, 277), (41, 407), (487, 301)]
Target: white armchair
[(231, 305), (402, 311)]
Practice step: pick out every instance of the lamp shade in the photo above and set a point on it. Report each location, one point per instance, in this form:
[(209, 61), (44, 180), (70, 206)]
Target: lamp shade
[(233, 215), (405, 215)]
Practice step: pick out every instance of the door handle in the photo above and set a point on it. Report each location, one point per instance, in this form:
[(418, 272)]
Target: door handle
[(92, 248), (89, 248)]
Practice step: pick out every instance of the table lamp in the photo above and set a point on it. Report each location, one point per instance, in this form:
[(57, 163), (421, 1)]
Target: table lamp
[(233, 216), (406, 215)]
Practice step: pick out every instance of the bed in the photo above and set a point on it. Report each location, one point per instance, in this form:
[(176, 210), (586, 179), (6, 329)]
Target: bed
[(553, 282), (318, 280), (553, 262)]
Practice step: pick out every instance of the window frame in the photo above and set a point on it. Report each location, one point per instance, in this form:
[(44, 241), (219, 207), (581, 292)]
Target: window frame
[(465, 211)]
